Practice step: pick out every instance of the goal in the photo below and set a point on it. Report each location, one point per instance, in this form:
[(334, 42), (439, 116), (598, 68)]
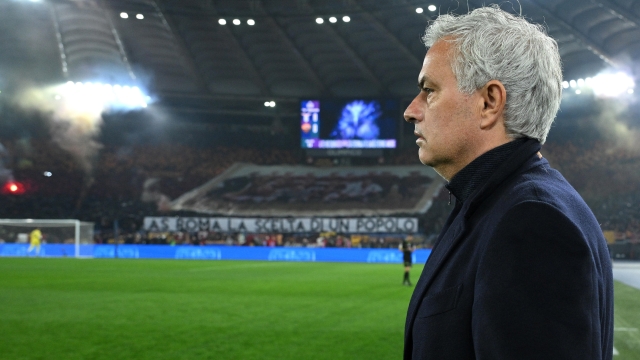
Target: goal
[(60, 236)]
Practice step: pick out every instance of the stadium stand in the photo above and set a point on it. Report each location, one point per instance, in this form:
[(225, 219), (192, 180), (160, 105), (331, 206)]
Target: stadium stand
[(124, 176)]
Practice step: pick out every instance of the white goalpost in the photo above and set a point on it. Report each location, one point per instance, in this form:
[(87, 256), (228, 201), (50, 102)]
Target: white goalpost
[(55, 231)]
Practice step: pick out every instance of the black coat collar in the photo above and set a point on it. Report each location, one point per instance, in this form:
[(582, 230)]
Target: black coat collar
[(517, 159), (476, 173)]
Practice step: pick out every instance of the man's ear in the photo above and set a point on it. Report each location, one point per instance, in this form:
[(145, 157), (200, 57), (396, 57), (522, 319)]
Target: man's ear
[(494, 97)]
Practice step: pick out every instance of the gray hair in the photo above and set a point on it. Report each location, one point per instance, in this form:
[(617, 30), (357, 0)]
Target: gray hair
[(491, 44)]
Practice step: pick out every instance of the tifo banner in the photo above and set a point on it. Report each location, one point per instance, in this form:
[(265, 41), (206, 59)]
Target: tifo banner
[(392, 256), (295, 190), (283, 225)]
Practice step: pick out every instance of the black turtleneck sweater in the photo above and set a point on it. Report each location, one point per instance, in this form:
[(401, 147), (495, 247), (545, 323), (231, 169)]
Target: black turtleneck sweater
[(474, 175)]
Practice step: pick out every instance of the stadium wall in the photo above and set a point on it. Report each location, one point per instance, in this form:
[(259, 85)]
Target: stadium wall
[(219, 253)]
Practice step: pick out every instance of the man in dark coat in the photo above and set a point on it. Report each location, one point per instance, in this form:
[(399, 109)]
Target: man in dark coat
[(521, 269)]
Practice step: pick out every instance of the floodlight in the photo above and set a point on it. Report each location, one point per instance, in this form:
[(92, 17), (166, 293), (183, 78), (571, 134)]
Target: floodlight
[(333, 20), (319, 20), (139, 16), (565, 84), (612, 84), (106, 96), (588, 81), (580, 82), (266, 103), (346, 18), (630, 91), (272, 103), (222, 22), (578, 92), (251, 22), (124, 15), (236, 22), (572, 83), (419, 10), (432, 8), (47, 174)]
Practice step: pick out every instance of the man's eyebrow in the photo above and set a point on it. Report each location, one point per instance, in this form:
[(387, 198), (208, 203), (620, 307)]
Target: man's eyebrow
[(424, 79)]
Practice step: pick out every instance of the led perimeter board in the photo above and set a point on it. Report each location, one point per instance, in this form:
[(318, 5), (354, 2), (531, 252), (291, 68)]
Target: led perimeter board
[(349, 123)]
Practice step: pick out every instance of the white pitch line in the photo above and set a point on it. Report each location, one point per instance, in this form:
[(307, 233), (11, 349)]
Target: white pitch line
[(625, 329), (615, 352)]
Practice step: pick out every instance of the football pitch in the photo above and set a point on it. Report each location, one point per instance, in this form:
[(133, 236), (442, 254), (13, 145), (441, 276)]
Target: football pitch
[(168, 309)]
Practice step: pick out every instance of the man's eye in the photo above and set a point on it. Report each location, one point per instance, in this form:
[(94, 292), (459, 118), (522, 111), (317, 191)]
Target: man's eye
[(427, 90)]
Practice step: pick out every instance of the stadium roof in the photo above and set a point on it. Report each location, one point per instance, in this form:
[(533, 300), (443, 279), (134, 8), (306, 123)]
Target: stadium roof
[(193, 51)]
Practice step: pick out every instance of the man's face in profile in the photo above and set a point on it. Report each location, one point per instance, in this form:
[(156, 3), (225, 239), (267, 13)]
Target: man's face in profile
[(442, 115)]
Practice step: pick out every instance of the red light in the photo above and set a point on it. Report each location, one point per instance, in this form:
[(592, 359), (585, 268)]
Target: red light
[(13, 187)]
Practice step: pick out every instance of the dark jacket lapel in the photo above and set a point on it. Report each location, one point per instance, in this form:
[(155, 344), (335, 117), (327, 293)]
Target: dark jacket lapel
[(439, 253)]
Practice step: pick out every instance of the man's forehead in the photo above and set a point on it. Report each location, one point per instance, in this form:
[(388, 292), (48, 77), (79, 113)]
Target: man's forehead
[(425, 57), (427, 73), (436, 57)]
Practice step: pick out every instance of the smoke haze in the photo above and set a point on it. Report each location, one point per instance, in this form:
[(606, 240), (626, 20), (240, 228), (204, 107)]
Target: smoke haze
[(74, 125)]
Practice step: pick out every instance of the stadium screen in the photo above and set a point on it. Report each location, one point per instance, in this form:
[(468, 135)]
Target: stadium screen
[(351, 124)]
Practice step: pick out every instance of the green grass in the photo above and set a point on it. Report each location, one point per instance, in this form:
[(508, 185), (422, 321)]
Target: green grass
[(152, 309), (627, 322)]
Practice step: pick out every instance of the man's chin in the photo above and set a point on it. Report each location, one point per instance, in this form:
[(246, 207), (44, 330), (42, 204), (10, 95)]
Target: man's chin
[(429, 161), (425, 159)]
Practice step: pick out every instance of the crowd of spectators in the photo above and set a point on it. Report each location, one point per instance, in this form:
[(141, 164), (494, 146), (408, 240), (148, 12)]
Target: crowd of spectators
[(607, 176), (597, 169)]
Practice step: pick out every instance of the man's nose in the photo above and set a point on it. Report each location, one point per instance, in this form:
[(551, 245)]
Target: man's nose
[(413, 111)]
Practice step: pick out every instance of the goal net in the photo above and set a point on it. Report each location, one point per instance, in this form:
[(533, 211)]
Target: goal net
[(59, 237)]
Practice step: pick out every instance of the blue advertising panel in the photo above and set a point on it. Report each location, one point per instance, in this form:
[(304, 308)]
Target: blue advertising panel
[(218, 253)]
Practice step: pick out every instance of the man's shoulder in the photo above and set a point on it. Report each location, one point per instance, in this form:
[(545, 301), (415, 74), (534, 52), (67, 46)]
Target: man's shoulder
[(543, 186)]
